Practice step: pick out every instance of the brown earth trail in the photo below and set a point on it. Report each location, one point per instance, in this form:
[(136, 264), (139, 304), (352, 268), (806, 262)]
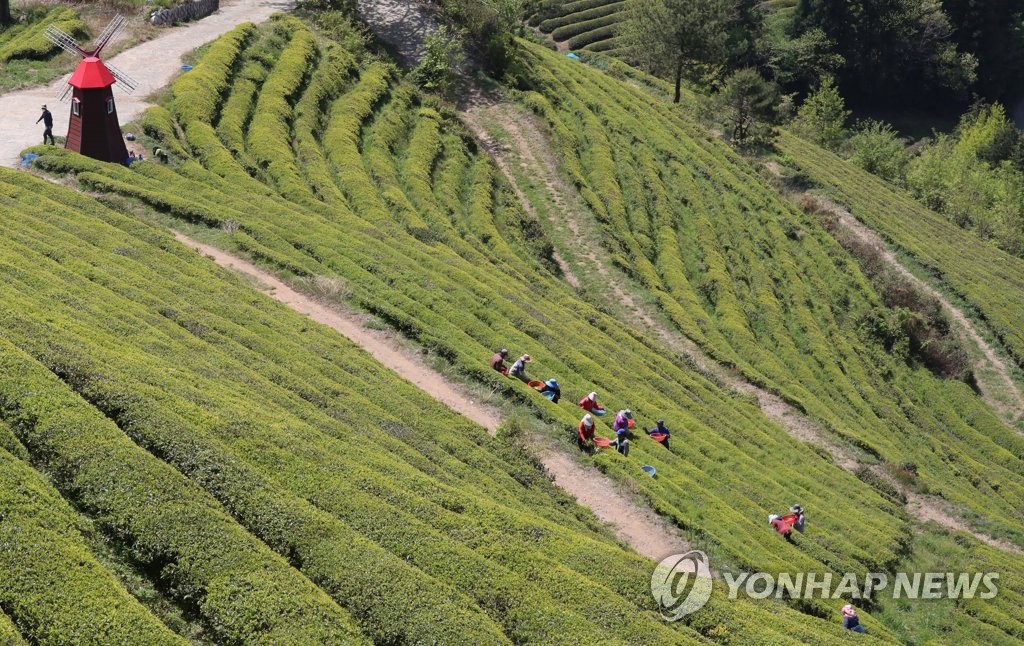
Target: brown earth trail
[(633, 522), (530, 149)]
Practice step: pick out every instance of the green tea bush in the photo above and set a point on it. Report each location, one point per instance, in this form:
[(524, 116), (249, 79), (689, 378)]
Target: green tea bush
[(581, 16), (198, 94), (568, 31), (53, 588), (429, 240), (599, 34), (590, 23), (29, 41)]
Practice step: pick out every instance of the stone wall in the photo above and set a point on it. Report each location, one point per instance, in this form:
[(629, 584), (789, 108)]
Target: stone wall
[(185, 12)]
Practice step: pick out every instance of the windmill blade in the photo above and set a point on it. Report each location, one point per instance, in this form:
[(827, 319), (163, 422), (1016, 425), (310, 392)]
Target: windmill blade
[(64, 94), (115, 25), (64, 41), (124, 81)]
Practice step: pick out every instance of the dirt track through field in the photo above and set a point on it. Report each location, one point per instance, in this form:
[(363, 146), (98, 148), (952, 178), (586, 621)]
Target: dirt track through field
[(633, 522), (531, 149), (992, 373), (152, 63)]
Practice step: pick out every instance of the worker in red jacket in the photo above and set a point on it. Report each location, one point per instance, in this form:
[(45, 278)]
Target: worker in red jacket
[(589, 404), (785, 525), (585, 432)]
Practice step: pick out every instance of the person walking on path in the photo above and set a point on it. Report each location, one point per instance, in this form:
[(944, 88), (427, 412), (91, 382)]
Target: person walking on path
[(47, 120)]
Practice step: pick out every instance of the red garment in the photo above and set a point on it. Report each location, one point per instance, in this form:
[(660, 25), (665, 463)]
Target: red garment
[(589, 404), (790, 519), (585, 433), (782, 527)]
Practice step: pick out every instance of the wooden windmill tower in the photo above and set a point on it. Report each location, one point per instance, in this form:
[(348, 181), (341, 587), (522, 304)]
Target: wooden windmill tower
[(93, 129)]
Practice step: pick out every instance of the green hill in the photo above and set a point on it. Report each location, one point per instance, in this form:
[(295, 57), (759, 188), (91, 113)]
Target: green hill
[(276, 483), (585, 24)]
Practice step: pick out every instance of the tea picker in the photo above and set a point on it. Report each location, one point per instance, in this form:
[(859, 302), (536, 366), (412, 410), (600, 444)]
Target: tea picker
[(589, 404), (498, 361), (785, 525)]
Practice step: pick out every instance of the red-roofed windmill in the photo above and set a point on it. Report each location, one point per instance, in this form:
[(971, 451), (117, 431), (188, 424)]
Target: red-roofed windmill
[(93, 129)]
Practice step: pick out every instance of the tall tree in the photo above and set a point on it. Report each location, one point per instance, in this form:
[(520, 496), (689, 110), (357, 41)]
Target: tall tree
[(900, 49), (992, 30), (665, 36), (5, 12), (822, 117), (748, 105), (745, 35)]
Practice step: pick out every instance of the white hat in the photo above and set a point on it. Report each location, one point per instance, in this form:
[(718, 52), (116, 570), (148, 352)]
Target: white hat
[(592, 397), (588, 420)]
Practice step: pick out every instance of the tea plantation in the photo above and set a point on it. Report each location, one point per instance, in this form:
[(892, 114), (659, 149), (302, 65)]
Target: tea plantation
[(271, 483), (584, 24), (26, 40)]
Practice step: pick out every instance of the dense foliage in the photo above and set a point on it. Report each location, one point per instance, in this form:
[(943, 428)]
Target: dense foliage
[(892, 50)]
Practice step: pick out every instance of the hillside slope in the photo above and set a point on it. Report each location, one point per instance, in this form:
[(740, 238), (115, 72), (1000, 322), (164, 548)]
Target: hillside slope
[(204, 428), (316, 161)]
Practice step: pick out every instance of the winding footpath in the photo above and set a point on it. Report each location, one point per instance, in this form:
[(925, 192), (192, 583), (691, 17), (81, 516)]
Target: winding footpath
[(993, 374), (530, 150), (153, 64), (633, 522)]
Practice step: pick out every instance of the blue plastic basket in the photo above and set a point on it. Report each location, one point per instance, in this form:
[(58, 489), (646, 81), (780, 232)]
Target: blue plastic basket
[(649, 470)]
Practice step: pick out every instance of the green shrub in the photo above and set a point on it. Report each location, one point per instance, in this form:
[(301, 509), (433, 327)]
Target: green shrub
[(31, 43), (198, 94)]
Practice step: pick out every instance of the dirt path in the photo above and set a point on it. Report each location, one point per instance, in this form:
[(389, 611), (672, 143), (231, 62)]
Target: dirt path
[(402, 24), (632, 521), (153, 64), (530, 148), (494, 149), (992, 373)]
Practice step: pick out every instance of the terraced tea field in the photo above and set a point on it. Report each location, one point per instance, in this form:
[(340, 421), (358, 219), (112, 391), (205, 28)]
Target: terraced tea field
[(582, 24), (988, 279), (26, 40), (265, 479), (274, 483), (593, 25)]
